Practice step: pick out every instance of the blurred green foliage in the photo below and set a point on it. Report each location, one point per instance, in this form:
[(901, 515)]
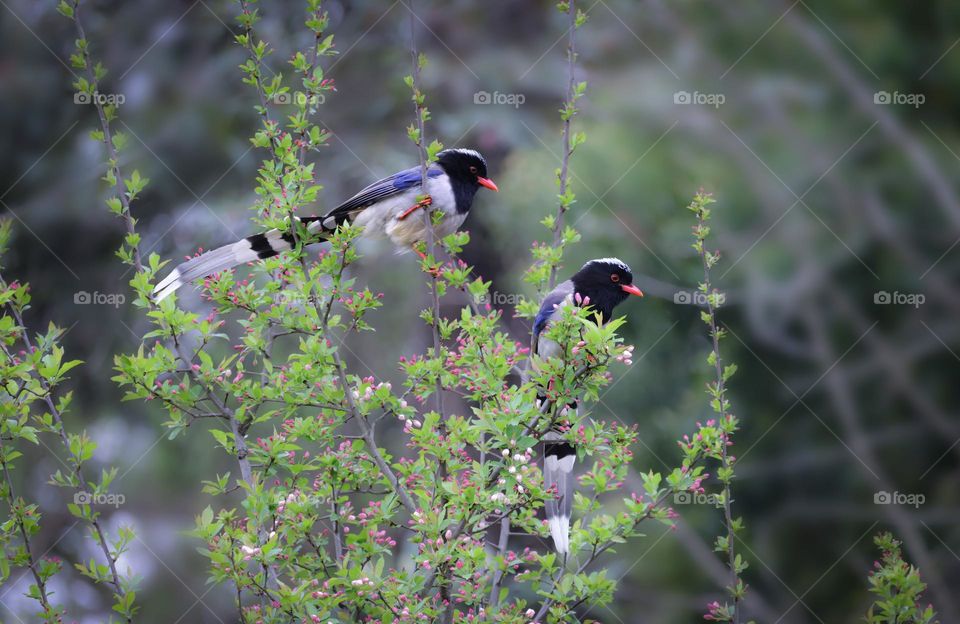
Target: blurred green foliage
[(826, 200)]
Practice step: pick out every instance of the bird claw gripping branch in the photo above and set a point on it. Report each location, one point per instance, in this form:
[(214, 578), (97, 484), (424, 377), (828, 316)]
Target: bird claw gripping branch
[(423, 203)]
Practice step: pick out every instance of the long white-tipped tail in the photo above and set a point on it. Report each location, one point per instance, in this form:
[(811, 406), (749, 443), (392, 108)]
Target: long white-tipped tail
[(559, 457), (249, 249)]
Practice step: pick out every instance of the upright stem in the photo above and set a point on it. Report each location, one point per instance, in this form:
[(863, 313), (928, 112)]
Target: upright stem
[(337, 528), (427, 216), (239, 441), (366, 427), (273, 128), (598, 550), (114, 163), (707, 259), (98, 532), (563, 206), (501, 548), (725, 461), (569, 145), (31, 561)]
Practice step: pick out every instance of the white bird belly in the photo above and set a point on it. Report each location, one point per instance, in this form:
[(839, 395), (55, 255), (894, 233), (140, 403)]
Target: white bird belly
[(412, 229)]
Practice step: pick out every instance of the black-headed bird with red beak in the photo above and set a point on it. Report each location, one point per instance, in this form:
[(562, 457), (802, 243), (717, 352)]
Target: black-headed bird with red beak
[(387, 208), (601, 285)]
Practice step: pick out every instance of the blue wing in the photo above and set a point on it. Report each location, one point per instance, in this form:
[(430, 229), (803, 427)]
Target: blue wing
[(550, 304), (381, 189)]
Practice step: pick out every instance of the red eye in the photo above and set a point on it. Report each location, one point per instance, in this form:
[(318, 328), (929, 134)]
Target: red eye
[(614, 278), (473, 169)]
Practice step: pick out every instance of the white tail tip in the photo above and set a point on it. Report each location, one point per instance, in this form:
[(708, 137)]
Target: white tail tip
[(560, 531), (167, 286)]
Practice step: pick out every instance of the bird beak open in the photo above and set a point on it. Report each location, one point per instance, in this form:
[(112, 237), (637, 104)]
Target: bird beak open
[(633, 290), (487, 182)]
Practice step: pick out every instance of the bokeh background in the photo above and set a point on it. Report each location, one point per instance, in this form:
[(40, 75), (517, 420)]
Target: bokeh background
[(826, 130)]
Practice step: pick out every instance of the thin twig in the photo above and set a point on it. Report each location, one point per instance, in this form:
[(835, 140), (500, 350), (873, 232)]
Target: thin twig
[(599, 549), (79, 477), (501, 548), (431, 244), (114, 162), (563, 206), (720, 392), (43, 598)]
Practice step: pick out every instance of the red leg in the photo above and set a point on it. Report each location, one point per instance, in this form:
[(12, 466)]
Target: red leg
[(423, 203)]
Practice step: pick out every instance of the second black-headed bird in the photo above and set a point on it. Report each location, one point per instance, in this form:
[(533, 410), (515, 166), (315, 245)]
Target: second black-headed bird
[(601, 284), (386, 208)]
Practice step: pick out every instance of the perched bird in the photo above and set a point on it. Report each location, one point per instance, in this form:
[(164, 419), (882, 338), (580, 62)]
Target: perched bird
[(384, 209), (601, 284)]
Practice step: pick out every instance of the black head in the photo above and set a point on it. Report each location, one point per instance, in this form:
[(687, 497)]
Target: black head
[(468, 172), (607, 282)]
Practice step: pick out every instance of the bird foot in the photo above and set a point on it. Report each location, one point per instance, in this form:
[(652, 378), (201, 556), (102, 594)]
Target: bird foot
[(423, 203)]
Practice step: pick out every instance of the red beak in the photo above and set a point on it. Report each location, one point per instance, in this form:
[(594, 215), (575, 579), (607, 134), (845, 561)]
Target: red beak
[(633, 290), (487, 182)]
